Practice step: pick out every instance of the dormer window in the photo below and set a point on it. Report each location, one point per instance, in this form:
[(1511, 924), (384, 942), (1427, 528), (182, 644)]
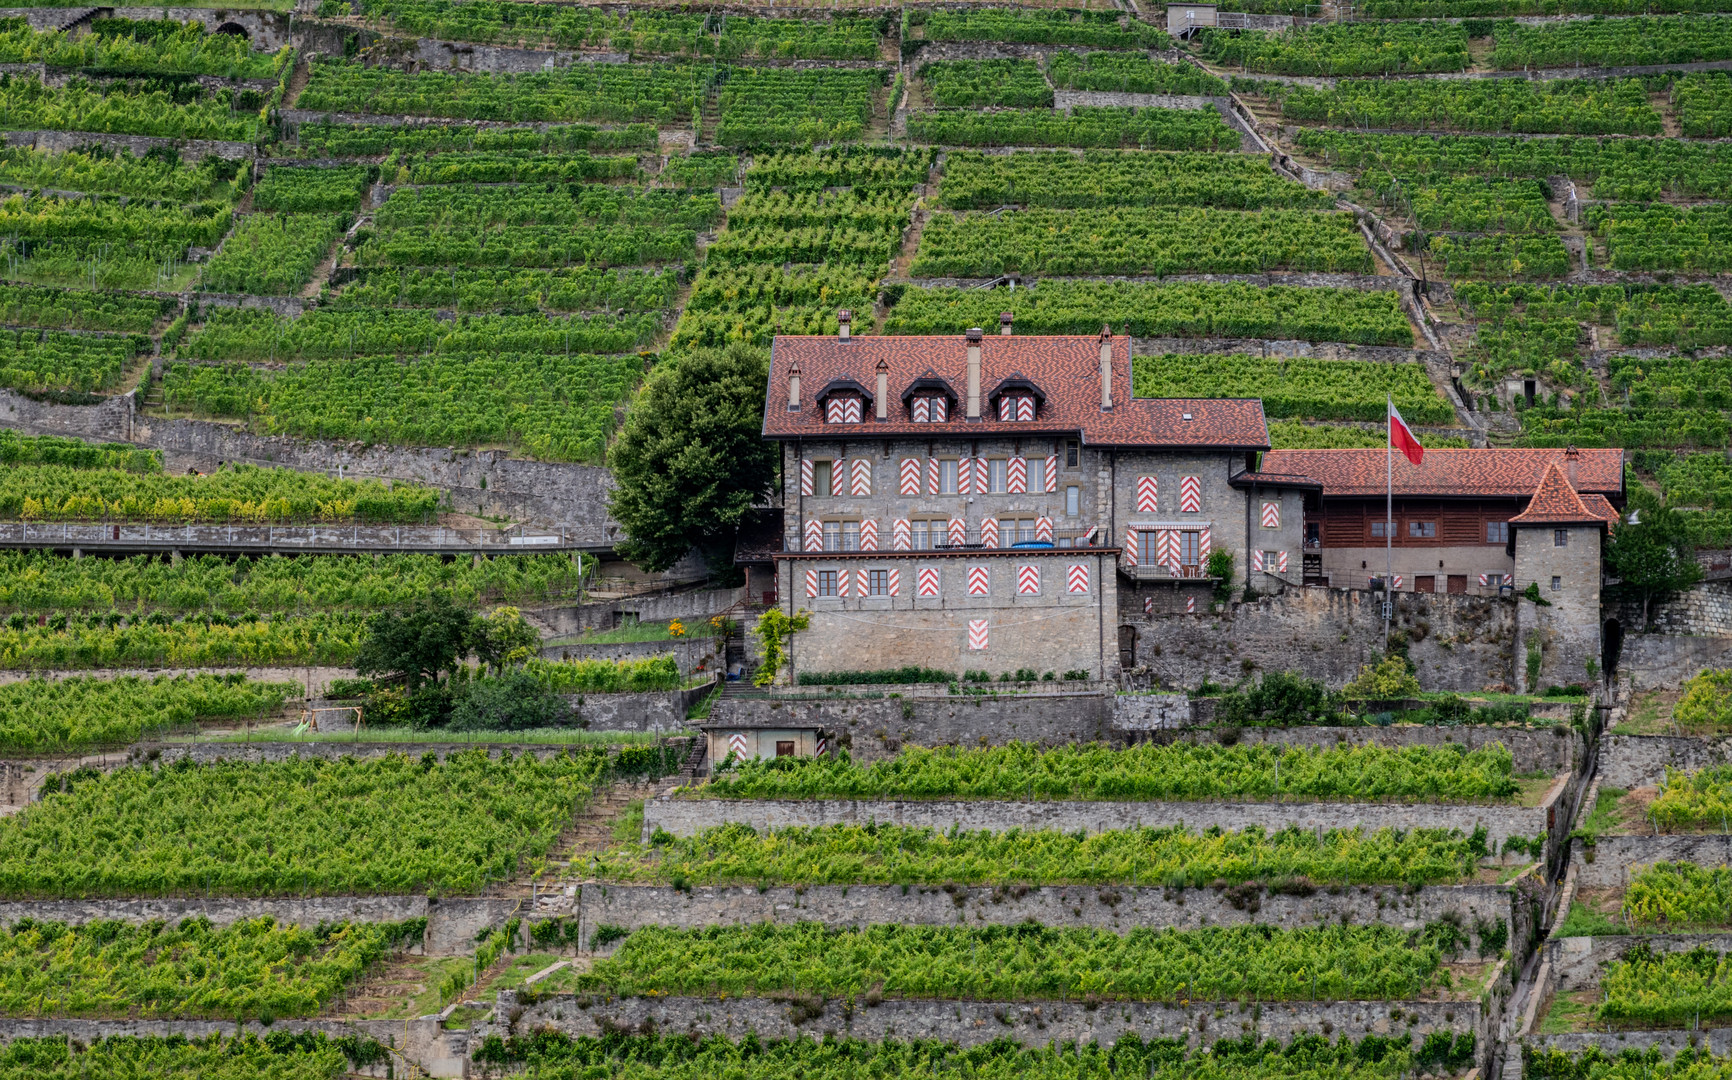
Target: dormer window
[(843, 409), (1016, 407), (929, 408), (1017, 400)]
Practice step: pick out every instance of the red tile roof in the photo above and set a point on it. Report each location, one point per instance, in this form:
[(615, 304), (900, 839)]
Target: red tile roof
[(1065, 367), (1602, 507), (1490, 473), (1555, 502)]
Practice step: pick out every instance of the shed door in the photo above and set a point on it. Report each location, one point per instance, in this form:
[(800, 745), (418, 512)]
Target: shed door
[(1458, 583), (784, 747), (1425, 583)]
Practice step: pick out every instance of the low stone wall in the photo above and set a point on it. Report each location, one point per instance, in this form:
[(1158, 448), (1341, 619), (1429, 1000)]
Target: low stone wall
[(58, 142), (657, 711), (1618, 859), (1577, 962), (971, 1023), (688, 817), (1387, 354), (1632, 761), (1705, 609), (1534, 749), (1717, 1041), (875, 729), (693, 605), (313, 680), (1066, 100), (689, 652), (1668, 661)]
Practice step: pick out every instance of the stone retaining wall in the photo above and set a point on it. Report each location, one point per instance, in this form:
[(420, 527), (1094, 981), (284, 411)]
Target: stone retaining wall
[(1705, 609), (1632, 761), (1388, 354), (658, 711), (1668, 661), (1618, 859), (689, 652), (688, 817), (58, 142)]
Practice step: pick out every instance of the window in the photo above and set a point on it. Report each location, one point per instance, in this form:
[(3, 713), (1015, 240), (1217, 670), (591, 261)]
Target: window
[(1495, 581), (1036, 476), (1497, 532), (1379, 529), (832, 536), (821, 475), (1422, 530), (947, 476), (919, 538), (826, 583), (998, 476), (1557, 583), (1271, 562), (877, 583), (1560, 538), (1146, 548), (929, 410), (1072, 501), (843, 410), (1190, 548), (1020, 531), (850, 536), (1072, 453), (784, 747)]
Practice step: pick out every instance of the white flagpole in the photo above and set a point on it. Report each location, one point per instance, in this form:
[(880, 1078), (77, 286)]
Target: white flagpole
[(1388, 516)]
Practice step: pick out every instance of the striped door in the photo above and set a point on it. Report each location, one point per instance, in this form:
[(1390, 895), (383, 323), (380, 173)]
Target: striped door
[(1017, 479), (976, 634), (1052, 474), (869, 534), (1077, 578), (1028, 581), (979, 581), (893, 582), (814, 535), (806, 476), (1190, 495), (901, 535), (1146, 489), (910, 474), (1271, 515), (926, 581), (1043, 530), (958, 531), (989, 532), (860, 480), (931, 476)]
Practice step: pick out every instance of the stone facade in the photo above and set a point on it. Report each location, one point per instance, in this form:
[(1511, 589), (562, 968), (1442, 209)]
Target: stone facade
[(1704, 609), (1565, 563)]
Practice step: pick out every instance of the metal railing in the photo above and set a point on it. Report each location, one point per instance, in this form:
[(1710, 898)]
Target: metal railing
[(1155, 572), (98, 535)]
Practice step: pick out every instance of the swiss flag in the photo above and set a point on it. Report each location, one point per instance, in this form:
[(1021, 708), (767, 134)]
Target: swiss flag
[(1401, 437)]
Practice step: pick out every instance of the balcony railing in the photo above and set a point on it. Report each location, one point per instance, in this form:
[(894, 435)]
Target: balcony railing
[(1152, 572), (970, 540)]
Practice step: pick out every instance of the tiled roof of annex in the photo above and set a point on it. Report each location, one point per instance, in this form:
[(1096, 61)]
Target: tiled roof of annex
[(1064, 368), (1555, 502), (1452, 473)]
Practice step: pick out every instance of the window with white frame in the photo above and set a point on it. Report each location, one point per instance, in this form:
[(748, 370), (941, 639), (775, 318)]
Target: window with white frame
[(998, 476), (822, 474), (1072, 501), (947, 476)]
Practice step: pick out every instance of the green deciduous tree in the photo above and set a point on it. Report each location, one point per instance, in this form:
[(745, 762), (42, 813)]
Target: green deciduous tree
[(429, 637), (1653, 558), (691, 459)]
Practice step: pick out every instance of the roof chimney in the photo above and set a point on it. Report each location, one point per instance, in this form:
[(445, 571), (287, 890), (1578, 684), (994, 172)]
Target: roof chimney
[(974, 337), (1106, 367), (843, 318), (1571, 457), (1004, 323), (794, 387), (883, 390)]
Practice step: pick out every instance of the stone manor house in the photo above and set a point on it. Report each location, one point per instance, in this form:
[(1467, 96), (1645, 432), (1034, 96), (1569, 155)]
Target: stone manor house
[(1004, 503)]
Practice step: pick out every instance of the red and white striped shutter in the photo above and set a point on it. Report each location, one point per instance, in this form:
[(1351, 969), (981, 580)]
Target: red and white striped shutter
[(860, 478), (1257, 561), (1281, 562), (833, 411), (1028, 581), (1051, 474), (814, 535), (1398, 581), (1025, 408), (1043, 530), (811, 583), (1190, 605), (1271, 515), (894, 582), (860, 582), (926, 581), (901, 535), (922, 410), (989, 532), (931, 476), (1148, 605), (979, 581), (940, 409), (1482, 581), (869, 534), (851, 411), (1166, 547), (958, 531), (910, 474), (964, 477), (1204, 543), (1146, 489), (806, 476), (1017, 479), (1131, 546), (1007, 408), (977, 635), (821, 747), (982, 483), (737, 745), (1077, 578), (1190, 494), (842, 582)]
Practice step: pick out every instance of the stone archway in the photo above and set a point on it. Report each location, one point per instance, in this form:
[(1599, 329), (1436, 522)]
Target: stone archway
[(1611, 647)]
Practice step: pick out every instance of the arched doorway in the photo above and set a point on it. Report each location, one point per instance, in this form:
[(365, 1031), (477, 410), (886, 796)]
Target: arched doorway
[(1611, 647), (234, 28)]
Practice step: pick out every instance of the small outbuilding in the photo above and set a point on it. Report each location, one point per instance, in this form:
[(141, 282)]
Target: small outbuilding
[(749, 741)]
